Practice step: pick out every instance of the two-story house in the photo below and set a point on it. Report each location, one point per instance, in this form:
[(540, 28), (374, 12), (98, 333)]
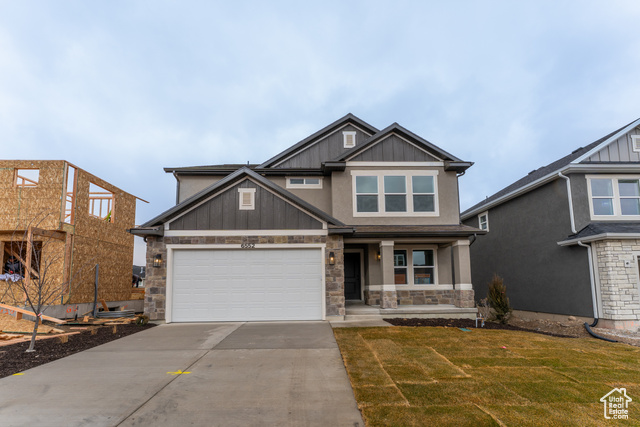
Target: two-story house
[(58, 219), (566, 237), (348, 213)]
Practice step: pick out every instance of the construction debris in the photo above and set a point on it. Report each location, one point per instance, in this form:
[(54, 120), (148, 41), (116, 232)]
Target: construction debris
[(10, 324)]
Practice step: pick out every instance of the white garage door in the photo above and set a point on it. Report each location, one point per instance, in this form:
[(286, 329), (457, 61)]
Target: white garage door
[(253, 284)]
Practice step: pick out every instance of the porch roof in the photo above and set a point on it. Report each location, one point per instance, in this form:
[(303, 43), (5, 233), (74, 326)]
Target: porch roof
[(604, 230), (454, 230)]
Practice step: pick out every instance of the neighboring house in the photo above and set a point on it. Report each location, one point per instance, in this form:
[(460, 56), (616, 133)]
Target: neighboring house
[(349, 213), (566, 238), (88, 217)]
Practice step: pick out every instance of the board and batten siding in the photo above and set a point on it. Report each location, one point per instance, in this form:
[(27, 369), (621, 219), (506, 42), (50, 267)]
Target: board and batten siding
[(393, 149), (222, 213), (620, 150), (327, 148)]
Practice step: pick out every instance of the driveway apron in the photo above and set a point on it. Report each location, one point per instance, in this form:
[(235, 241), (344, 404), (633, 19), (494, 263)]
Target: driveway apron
[(214, 374)]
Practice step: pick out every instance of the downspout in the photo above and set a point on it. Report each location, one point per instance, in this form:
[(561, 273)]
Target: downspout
[(593, 296), (175, 175), (594, 300), (573, 223)]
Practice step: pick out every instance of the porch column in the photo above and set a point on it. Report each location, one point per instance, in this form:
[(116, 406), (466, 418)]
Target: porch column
[(464, 295), (388, 295)]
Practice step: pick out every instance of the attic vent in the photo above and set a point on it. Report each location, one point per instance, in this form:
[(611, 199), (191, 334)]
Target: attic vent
[(635, 143), (247, 199), (349, 139), (576, 150)]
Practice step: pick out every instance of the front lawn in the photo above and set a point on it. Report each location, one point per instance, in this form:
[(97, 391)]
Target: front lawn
[(446, 376)]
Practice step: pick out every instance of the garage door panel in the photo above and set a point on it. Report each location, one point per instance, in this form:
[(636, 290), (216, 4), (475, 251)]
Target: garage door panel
[(237, 285)]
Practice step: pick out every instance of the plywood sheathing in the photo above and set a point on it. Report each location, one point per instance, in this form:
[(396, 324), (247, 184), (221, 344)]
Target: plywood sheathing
[(9, 323), (92, 241)]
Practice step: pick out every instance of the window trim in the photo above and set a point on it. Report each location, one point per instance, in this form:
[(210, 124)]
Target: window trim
[(486, 215), (304, 185), (617, 208), (410, 268), (345, 137), (635, 143), (408, 174), (252, 205)]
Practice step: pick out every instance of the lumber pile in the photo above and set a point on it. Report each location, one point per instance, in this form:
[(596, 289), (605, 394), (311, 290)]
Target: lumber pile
[(9, 323)]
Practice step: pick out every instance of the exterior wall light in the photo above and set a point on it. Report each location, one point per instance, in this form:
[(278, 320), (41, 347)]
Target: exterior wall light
[(378, 256), (332, 258), (157, 261)]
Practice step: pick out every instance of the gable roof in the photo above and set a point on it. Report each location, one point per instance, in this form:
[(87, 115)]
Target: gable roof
[(546, 173), (348, 119), (229, 180), (404, 133)]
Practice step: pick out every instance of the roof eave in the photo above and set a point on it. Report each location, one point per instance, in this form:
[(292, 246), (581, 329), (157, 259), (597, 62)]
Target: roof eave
[(600, 236)]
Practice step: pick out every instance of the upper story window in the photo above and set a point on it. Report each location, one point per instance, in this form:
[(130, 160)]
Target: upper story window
[(304, 182), (349, 138), (635, 143), (483, 221), (247, 199), (614, 197), (27, 177), (395, 193), (101, 202)]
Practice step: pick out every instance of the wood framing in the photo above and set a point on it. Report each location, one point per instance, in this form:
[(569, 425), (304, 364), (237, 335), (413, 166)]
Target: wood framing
[(61, 198)]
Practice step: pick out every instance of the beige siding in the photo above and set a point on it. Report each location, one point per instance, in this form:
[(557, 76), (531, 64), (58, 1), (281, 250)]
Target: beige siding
[(620, 150)]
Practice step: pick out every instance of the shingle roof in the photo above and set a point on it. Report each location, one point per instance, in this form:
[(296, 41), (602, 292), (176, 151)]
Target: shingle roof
[(603, 230), (415, 230), (537, 174)]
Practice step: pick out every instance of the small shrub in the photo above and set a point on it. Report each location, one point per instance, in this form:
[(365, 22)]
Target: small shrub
[(498, 299)]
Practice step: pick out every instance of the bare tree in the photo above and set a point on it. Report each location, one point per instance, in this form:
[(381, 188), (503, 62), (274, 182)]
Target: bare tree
[(40, 254)]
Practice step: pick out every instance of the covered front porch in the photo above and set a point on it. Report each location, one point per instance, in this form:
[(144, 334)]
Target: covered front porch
[(417, 271)]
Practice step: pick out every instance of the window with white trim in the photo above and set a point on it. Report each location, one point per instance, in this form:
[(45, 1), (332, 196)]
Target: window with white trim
[(304, 182), (635, 143), (349, 139), (614, 197), (247, 199), (395, 193), (414, 266), (483, 221)]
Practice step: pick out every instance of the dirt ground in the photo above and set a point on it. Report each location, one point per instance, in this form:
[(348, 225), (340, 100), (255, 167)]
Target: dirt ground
[(14, 359), (570, 328)]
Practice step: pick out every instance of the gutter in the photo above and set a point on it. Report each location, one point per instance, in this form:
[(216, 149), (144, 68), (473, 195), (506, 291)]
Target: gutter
[(601, 236)]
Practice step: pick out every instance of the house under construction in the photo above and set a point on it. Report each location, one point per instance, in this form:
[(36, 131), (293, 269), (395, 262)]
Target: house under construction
[(86, 217)]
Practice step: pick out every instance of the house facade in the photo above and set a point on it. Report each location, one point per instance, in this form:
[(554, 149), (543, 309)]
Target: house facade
[(60, 220), (566, 238), (348, 213)]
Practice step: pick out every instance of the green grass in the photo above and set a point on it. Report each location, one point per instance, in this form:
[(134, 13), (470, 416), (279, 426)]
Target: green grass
[(444, 376)]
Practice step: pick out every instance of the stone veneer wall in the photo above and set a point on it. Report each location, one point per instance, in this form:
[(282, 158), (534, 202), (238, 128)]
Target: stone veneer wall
[(156, 278), (618, 284), (459, 298)]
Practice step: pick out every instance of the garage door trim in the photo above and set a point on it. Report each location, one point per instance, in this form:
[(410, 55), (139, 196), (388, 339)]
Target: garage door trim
[(177, 247)]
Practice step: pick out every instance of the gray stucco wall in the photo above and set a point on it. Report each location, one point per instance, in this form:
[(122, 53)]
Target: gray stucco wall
[(190, 185), (521, 247), (222, 213), (580, 198)]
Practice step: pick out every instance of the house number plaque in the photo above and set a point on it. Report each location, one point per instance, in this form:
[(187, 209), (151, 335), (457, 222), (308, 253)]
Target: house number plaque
[(248, 245)]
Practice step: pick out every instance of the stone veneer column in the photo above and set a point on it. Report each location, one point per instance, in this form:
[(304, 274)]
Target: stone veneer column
[(388, 295), (619, 282), (334, 277), (464, 294), (155, 280)]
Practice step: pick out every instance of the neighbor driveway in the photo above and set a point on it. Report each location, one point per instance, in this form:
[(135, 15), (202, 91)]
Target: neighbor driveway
[(214, 374)]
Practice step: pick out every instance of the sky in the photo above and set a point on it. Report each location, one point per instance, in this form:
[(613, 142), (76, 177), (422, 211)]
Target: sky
[(123, 89)]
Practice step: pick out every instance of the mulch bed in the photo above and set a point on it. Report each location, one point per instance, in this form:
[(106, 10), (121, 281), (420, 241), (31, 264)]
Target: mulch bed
[(469, 324), (14, 359)]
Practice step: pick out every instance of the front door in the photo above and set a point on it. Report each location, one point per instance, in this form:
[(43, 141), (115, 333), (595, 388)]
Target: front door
[(352, 276)]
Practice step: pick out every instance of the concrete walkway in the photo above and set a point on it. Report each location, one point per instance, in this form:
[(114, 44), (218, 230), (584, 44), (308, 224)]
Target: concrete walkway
[(215, 374)]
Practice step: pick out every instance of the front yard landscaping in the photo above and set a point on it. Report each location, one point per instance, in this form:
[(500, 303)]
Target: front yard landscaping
[(405, 376)]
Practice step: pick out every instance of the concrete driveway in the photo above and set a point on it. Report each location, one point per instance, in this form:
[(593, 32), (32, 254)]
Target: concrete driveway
[(215, 374)]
